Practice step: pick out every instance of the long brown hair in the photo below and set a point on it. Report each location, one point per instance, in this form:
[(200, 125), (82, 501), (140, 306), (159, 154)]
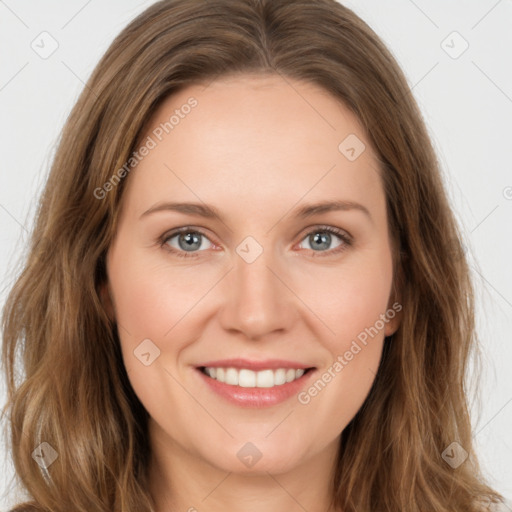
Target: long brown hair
[(73, 392)]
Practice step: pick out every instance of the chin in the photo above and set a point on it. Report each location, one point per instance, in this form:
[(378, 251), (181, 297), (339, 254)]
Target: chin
[(251, 458)]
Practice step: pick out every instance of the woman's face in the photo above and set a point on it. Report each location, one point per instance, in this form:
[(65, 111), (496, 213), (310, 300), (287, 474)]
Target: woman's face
[(260, 287)]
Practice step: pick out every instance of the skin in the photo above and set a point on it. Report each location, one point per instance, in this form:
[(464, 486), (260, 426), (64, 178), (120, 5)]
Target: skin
[(256, 148)]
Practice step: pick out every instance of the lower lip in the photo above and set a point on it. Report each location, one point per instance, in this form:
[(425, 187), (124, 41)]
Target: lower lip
[(256, 397)]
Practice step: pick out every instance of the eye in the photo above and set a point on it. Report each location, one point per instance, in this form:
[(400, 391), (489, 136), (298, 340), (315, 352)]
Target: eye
[(321, 238), (188, 242)]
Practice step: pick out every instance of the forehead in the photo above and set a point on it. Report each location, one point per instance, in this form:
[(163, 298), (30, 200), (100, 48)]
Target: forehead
[(256, 137)]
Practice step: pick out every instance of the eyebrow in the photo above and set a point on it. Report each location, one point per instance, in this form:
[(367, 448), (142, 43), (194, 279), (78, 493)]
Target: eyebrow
[(208, 211)]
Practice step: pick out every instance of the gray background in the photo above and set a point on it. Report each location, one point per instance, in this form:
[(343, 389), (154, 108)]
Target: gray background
[(466, 99)]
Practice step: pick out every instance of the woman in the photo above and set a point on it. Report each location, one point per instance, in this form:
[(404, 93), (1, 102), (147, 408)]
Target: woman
[(185, 343)]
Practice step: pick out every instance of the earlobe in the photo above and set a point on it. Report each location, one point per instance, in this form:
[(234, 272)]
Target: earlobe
[(394, 314)]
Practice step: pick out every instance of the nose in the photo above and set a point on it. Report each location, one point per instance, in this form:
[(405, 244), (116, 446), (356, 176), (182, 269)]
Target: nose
[(258, 300)]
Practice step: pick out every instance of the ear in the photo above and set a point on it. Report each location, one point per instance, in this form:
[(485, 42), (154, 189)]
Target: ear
[(106, 300)]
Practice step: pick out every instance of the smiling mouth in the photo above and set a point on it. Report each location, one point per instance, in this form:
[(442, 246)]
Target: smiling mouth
[(245, 378)]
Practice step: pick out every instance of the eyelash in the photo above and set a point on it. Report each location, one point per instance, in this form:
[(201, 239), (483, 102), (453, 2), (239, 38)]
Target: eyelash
[(347, 241)]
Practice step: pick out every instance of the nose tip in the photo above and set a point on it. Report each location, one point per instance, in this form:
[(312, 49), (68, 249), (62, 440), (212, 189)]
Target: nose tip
[(257, 301)]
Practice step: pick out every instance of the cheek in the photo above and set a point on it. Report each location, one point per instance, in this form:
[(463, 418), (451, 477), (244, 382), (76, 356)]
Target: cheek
[(340, 390), (142, 305), (359, 308), (152, 302), (351, 307), (342, 385), (348, 300), (150, 299)]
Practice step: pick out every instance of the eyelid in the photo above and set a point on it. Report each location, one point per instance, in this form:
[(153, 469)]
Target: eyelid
[(326, 227)]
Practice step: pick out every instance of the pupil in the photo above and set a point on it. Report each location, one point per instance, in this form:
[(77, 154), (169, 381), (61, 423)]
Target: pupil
[(323, 239), (191, 240)]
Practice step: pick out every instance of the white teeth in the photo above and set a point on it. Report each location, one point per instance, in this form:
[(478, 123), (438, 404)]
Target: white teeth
[(279, 376), (290, 375), (231, 377), (246, 378), (265, 379), (250, 379)]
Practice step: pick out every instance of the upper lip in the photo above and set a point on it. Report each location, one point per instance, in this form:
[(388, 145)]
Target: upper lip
[(254, 365)]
